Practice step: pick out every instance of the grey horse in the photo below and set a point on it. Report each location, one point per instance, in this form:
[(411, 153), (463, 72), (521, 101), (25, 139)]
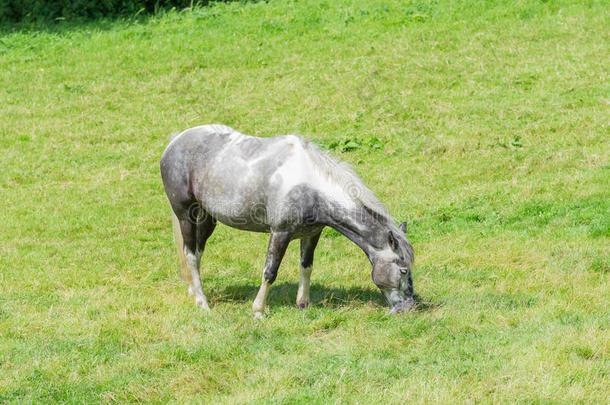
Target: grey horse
[(287, 187)]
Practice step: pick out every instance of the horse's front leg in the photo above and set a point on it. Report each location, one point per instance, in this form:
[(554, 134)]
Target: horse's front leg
[(308, 245), (278, 242)]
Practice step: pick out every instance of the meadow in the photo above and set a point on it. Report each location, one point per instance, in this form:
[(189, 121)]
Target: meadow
[(484, 124)]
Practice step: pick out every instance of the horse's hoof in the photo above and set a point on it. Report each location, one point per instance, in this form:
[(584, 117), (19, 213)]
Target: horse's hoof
[(259, 315), (202, 303), (302, 305)]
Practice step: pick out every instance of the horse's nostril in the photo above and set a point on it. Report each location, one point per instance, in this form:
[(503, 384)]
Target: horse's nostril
[(403, 271)]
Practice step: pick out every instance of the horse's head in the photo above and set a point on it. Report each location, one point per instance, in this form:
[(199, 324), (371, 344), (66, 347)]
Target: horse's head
[(392, 269)]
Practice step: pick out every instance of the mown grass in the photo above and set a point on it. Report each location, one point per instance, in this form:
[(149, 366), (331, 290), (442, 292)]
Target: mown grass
[(485, 124)]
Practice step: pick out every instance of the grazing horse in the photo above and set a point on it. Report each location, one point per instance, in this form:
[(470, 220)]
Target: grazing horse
[(282, 185)]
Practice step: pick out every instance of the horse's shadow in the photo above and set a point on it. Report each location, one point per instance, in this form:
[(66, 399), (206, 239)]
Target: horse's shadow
[(284, 295)]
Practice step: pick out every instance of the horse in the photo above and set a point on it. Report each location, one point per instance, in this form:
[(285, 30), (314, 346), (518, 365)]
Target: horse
[(288, 187)]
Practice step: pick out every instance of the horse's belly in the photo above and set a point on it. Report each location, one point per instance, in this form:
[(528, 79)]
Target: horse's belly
[(248, 214), (245, 222)]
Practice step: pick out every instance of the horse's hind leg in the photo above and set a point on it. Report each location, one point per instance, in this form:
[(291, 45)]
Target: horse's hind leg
[(278, 242), (195, 233), (308, 245)]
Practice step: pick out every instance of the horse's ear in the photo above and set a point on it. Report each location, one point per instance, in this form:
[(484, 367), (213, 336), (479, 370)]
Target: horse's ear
[(403, 227)]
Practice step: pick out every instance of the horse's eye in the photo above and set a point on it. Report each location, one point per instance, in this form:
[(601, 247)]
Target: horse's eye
[(403, 270)]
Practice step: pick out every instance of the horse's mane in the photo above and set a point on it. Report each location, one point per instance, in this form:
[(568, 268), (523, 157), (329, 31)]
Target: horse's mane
[(342, 174)]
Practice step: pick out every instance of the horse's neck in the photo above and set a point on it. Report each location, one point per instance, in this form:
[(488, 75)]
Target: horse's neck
[(361, 226)]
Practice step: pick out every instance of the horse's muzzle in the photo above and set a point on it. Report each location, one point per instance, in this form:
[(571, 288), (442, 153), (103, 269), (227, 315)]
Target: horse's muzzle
[(400, 301), (403, 306)]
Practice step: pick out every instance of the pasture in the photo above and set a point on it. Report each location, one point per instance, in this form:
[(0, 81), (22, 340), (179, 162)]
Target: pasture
[(484, 124)]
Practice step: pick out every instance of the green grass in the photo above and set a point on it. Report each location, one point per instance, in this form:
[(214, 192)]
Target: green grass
[(483, 123)]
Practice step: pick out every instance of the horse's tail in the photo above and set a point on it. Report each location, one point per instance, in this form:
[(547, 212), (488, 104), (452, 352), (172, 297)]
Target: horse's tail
[(186, 274)]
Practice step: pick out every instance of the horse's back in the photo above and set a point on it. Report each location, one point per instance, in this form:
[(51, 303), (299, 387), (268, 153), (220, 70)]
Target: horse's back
[(192, 143), (230, 174)]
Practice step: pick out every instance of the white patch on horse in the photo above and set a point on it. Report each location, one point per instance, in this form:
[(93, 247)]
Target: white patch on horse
[(301, 168)]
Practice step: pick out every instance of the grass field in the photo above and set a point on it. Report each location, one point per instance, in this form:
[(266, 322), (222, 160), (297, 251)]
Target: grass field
[(485, 124)]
